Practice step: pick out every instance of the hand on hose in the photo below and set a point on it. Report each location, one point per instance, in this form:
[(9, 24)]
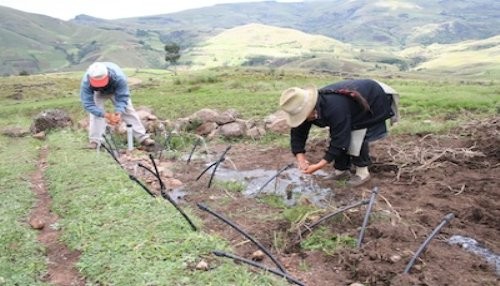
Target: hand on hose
[(112, 118)]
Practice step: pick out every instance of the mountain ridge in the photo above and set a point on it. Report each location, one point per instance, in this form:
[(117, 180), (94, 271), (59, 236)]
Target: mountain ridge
[(378, 31)]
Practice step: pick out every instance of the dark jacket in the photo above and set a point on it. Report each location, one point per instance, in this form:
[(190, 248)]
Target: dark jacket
[(342, 114)]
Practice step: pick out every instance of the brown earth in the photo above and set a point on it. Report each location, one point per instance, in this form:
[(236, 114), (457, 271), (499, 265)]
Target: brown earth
[(421, 179), (60, 260)]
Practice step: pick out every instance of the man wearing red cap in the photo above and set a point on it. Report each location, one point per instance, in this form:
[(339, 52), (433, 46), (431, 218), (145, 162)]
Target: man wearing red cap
[(102, 81)]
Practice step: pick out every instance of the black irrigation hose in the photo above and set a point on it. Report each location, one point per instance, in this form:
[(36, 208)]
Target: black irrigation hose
[(216, 164), (147, 169), (367, 216), (133, 178), (198, 142), (444, 222), (258, 265), (238, 229), (112, 155), (222, 158), (162, 185), (206, 169), (341, 210), (273, 177), (112, 140), (168, 198)]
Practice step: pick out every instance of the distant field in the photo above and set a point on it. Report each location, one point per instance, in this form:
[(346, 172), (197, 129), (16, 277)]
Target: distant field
[(438, 101)]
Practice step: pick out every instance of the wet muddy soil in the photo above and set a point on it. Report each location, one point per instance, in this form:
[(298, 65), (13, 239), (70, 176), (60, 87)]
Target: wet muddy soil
[(420, 178)]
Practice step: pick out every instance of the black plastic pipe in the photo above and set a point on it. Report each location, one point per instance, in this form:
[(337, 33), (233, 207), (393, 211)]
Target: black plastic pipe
[(113, 147), (168, 198), (367, 217), (216, 164), (273, 177), (436, 230), (112, 155), (258, 265), (133, 178), (198, 141), (147, 169), (222, 158), (162, 185), (206, 169), (238, 229), (341, 210)]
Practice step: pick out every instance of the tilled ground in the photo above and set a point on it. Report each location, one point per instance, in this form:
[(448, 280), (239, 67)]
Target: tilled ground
[(421, 179)]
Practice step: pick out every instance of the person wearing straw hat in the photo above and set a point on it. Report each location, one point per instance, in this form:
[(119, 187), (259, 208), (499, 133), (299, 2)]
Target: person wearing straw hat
[(355, 112), (103, 81)]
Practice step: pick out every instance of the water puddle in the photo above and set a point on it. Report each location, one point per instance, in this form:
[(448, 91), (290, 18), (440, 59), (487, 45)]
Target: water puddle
[(471, 245), (177, 195), (291, 184)]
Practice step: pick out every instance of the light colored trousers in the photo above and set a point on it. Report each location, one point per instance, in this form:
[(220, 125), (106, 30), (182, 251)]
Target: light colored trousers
[(97, 125)]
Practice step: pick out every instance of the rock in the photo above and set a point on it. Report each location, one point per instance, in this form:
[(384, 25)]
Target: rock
[(255, 132), (395, 258), (257, 255), (233, 129), (205, 114), (206, 128), (40, 135), (224, 118), (84, 123), (37, 223), (202, 265), (356, 284)]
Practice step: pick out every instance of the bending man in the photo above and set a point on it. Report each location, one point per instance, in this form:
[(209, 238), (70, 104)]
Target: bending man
[(103, 81), (355, 112)]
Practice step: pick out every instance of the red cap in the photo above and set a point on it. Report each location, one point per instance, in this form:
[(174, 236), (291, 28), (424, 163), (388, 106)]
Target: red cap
[(98, 75)]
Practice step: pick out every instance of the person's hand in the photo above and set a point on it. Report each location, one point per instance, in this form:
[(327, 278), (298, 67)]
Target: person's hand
[(302, 161), (112, 118), (314, 167)]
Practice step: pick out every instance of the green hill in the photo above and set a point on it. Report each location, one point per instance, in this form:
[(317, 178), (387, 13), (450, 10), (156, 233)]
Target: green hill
[(35, 43), (342, 36)]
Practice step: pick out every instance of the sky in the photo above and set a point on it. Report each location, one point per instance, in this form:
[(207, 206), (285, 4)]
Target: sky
[(112, 9)]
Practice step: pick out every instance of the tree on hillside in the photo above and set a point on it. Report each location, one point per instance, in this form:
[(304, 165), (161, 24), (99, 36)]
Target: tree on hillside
[(172, 55)]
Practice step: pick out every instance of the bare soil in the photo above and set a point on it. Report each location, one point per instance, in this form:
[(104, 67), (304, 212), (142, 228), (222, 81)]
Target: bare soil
[(421, 179)]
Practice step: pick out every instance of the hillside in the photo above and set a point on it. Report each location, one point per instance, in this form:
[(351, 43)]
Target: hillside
[(35, 43), (389, 22), (257, 44), (353, 36), (481, 57)]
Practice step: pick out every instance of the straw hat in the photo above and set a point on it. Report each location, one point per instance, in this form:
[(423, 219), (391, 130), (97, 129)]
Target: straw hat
[(98, 75), (298, 103)]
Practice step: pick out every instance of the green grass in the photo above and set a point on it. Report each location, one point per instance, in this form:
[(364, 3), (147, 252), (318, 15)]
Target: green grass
[(22, 260), (125, 236), (328, 242), (129, 238)]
